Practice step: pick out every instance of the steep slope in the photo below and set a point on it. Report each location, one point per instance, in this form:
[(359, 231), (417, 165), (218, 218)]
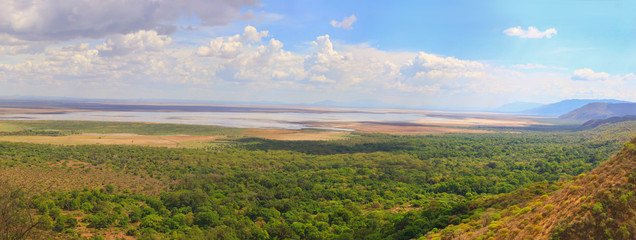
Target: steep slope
[(565, 106), (598, 205), (599, 110), (598, 122)]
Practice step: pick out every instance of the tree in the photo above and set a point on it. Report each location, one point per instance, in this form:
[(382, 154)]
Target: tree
[(16, 222)]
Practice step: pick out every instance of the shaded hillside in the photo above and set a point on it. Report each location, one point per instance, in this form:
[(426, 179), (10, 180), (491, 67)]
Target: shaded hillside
[(598, 122), (599, 205), (565, 106), (600, 111)]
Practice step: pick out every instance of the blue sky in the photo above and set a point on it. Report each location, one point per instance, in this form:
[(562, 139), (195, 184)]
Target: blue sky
[(407, 53)]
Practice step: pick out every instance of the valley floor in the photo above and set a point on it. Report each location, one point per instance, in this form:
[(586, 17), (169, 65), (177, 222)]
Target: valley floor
[(88, 179)]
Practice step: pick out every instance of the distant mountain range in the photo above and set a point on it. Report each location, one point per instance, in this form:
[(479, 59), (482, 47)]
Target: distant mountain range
[(553, 109), (600, 110), (565, 106)]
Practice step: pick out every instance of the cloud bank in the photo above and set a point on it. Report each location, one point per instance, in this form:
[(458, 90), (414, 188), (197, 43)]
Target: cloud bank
[(71, 19), (254, 66)]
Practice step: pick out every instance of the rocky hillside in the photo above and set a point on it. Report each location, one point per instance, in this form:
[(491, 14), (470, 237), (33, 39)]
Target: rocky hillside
[(598, 205), (600, 110)]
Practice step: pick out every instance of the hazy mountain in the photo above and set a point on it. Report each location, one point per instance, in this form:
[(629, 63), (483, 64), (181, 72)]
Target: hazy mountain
[(517, 107), (565, 106), (599, 110)]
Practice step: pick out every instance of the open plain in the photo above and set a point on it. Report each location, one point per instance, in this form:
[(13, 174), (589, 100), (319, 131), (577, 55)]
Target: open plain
[(268, 122)]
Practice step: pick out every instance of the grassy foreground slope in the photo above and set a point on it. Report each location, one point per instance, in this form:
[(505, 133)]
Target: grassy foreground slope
[(368, 186)]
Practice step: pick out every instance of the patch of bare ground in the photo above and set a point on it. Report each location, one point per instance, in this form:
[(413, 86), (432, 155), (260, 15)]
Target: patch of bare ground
[(295, 135), (474, 122), (78, 175)]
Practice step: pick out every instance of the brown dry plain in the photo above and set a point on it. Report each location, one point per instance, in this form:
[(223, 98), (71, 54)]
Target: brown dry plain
[(445, 122)]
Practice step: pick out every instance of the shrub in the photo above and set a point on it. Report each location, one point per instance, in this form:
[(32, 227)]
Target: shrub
[(206, 219), (132, 232), (523, 211), (71, 222), (151, 221), (494, 225), (597, 208), (503, 231), (45, 222), (99, 220), (548, 207), (54, 212), (533, 228)]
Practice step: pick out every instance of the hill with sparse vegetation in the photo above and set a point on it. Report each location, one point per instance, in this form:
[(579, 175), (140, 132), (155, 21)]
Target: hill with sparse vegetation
[(596, 205)]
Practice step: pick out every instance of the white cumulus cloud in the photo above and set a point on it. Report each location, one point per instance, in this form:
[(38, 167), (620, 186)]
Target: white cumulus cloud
[(229, 47), (532, 32), (119, 45), (346, 23), (587, 74), (432, 66)]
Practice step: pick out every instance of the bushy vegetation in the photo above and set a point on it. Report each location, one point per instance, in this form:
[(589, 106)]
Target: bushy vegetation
[(31, 132), (371, 186), (76, 127)]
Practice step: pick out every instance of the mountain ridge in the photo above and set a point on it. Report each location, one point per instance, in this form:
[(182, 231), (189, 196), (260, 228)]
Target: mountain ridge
[(565, 106), (600, 110)]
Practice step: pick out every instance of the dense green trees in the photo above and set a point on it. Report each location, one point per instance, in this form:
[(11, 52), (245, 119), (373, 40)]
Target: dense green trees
[(371, 186)]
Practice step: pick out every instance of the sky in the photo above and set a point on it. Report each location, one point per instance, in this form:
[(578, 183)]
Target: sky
[(437, 53)]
